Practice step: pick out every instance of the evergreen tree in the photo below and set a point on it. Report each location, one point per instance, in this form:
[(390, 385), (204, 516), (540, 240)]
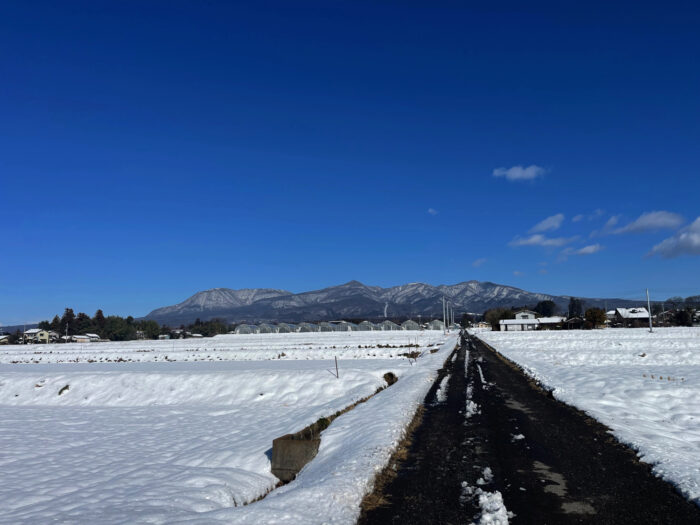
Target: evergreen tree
[(575, 307), (56, 324), (68, 320), (99, 321), (546, 308)]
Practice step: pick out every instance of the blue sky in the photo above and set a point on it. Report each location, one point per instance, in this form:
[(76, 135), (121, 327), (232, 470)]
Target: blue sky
[(149, 150)]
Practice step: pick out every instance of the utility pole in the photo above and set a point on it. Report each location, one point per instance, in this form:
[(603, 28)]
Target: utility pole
[(651, 330), (444, 326)]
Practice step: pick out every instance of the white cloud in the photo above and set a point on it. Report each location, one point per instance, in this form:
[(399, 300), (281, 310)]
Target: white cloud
[(588, 250), (519, 172), (517, 273), (541, 240), (577, 218), (651, 221), (543, 271), (684, 242), (612, 221), (479, 262), (550, 223), (432, 211)]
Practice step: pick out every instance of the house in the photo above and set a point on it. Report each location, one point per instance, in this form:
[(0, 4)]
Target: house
[(36, 335), (524, 324), (94, 338), (80, 338), (4, 339), (632, 317), (410, 325), (526, 314), (574, 323), (163, 337)]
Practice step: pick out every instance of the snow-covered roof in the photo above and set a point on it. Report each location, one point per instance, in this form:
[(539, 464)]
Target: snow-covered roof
[(33, 331), (555, 319), (93, 336), (633, 313), (519, 321)]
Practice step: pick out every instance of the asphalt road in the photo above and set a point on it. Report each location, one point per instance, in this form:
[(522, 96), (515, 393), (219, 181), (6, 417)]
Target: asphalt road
[(551, 463)]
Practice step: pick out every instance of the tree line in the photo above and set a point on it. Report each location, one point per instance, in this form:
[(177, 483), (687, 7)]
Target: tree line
[(117, 328)]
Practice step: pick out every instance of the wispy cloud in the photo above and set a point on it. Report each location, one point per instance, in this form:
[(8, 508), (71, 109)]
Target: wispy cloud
[(432, 211), (586, 250), (684, 242), (479, 262), (607, 227), (541, 240), (518, 273), (597, 213), (543, 271), (550, 223), (652, 221), (519, 172)]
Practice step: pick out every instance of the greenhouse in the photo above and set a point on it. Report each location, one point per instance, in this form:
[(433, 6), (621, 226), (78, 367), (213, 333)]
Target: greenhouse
[(326, 327), (388, 325), (307, 327), (436, 325), (410, 325), (246, 329), (284, 328), (345, 326), (265, 328), (366, 326)]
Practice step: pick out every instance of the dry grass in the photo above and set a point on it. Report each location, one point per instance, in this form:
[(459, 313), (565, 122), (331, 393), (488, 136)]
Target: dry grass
[(377, 498)]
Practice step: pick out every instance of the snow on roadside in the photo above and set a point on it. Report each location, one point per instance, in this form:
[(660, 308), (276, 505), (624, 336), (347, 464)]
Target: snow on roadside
[(353, 450), (168, 442), (441, 394), (644, 386)]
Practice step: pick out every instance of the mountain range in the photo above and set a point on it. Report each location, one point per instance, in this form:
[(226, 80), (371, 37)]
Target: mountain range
[(354, 300)]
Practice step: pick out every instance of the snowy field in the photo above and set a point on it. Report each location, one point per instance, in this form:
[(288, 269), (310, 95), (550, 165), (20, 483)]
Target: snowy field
[(644, 386), (352, 345), (180, 440)]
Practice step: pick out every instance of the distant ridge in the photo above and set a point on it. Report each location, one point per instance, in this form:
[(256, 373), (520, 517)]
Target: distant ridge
[(355, 300)]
